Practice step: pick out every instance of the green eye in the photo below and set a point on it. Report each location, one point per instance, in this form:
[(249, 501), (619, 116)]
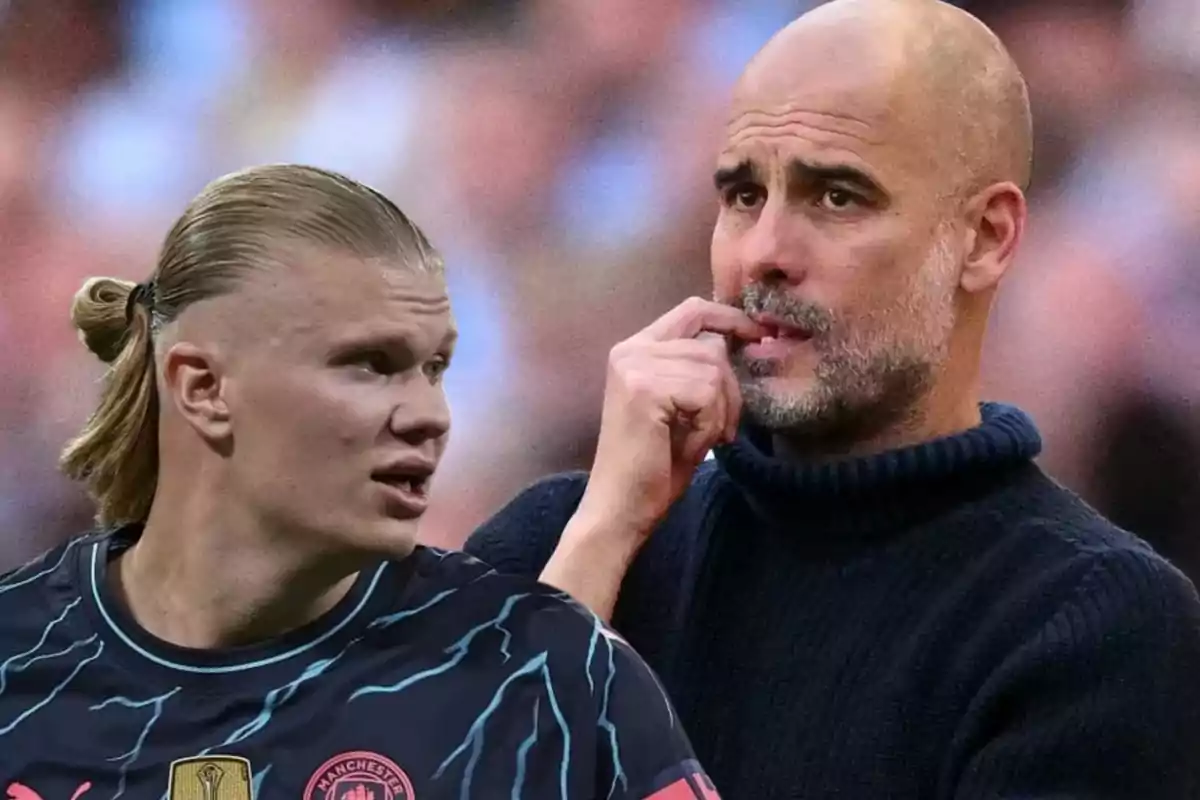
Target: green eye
[(436, 368)]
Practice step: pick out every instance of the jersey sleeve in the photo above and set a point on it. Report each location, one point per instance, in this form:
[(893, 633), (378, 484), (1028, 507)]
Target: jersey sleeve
[(520, 538), (644, 753)]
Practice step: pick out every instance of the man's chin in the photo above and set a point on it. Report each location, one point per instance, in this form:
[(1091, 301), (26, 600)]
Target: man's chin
[(782, 391), (798, 365), (780, 404), (385, 537)]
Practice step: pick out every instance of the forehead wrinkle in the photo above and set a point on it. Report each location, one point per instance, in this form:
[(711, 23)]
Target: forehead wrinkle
[(402, 298), (784, 126), (798, 110), (767, 151), (419, 302)]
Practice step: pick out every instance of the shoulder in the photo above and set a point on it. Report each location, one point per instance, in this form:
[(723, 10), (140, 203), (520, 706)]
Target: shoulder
[(44, 613), (472, 588), (1079, 639), (1037, 582), (1065, 529), (534, 615), (1088, 583), (37, 587)]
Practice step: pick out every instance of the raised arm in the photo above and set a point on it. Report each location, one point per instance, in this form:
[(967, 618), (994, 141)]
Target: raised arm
[(670, 396)]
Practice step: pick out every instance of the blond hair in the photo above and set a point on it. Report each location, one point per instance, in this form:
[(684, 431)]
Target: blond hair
[(233, 226)]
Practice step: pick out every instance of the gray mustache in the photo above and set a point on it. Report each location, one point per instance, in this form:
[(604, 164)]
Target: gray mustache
[(759, 299)]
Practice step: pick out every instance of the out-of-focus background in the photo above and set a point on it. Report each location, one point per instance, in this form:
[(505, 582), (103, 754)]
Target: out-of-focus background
[(559, 152)]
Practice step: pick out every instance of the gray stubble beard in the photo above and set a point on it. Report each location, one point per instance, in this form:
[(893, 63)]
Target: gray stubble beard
[(871, 373)]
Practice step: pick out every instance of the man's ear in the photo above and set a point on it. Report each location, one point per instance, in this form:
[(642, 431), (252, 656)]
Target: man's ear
[(996, 224), (194, 383)]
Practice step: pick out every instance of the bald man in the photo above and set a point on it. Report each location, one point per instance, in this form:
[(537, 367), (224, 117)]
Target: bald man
[(872, 591)]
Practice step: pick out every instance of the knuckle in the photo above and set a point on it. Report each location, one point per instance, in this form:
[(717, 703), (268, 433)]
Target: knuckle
[(639, 384), (621, 354)]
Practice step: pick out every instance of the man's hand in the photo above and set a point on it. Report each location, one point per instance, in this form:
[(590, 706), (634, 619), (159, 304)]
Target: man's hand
[(670, 396)]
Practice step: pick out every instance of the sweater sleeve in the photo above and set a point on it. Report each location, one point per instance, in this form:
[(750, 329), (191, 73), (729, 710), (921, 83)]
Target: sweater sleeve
[(1102, 702), (520, 538)]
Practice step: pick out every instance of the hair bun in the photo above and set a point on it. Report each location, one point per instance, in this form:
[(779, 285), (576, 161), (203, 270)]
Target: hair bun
[(98, 313)]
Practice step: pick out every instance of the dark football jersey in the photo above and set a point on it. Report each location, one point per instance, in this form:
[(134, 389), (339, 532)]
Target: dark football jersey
[(435, 677)]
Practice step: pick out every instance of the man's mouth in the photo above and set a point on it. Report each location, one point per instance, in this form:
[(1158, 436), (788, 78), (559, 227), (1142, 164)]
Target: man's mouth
[(413, 485), (407, 483), (778, 331)]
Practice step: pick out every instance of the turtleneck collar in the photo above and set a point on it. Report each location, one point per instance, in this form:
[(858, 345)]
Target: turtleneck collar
[(881, 491)]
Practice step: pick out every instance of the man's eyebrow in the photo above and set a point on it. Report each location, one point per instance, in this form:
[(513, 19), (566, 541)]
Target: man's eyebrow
[(742, 172), (800, 171), (805, 172)]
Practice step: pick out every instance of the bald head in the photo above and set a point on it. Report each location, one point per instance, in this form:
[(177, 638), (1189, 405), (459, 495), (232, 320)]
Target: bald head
[(948, 88)]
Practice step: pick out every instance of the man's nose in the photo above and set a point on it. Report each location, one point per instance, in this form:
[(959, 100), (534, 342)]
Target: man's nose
[(422, 413), (771, 252)]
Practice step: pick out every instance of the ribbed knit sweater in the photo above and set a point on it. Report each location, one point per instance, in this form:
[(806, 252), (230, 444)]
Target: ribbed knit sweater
[(940, 621)]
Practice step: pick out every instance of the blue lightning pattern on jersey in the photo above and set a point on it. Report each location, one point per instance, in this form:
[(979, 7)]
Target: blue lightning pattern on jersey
[(388, 620), (391, 619), (475, 734), (507, 640), (11, 581), (272, 700), (282, 694), (599, 631), (607, 724), (48, 699), (257, 781), (132, 754), (458, 650), (596, 626), (11, 660), (475, 738), (564, 763), (523, 752), (544, 735)]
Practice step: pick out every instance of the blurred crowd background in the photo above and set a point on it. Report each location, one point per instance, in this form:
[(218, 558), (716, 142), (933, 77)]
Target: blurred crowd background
[(559, 153)]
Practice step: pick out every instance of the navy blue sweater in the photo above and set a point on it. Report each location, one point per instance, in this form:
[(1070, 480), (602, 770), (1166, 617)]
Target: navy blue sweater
[(942, 621)]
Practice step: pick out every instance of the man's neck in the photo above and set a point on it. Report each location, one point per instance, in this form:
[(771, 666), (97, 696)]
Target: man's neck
[(215, 586)]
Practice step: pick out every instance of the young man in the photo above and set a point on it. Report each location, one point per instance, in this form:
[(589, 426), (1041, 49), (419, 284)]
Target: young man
[(258, 622), (872, 591)]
